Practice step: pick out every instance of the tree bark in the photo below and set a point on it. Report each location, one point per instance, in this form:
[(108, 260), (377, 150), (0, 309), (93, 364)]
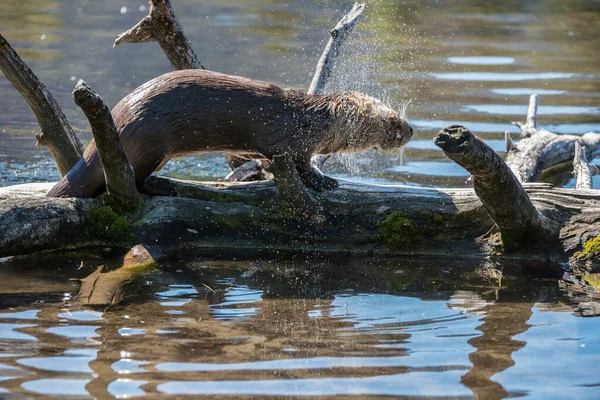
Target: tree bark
[(582, 169), (162, 26), (118, 173), (57, 133), (332, 50), (498, 188), (540, 149)]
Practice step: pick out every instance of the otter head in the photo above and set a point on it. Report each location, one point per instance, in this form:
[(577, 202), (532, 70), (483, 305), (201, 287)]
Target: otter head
[(363, 122)]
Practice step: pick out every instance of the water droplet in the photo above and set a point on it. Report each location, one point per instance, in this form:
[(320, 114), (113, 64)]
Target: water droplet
[(142, 8), (43, 37), (123, 10)]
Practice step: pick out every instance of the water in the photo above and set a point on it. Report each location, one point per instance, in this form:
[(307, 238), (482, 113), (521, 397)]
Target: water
[(473, 63), (407, 328), (362, 328)]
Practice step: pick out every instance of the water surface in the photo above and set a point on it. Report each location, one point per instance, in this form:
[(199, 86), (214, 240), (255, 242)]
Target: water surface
[(351, 328), (468, 62)]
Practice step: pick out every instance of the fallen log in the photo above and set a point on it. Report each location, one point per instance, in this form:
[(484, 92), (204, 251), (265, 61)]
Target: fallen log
[(57, 133), (540, 149), (233, 219)]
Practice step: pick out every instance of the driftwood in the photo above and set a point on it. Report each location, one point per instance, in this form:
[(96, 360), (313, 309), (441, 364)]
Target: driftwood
[(582, 169), (161, 25), (501, 217), (331, 52), (540, 149), (501, 193), (118, 173), (57, 133)]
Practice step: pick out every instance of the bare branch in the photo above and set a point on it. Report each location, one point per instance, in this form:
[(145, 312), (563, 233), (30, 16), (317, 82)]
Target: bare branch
[(529, 128), (120, 179), (327, 61), (57, 133), (502, 195), (582, 169), (508, 141), (161, 25)]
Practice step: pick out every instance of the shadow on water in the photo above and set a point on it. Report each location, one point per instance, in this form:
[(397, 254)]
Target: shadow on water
[(403, 327)]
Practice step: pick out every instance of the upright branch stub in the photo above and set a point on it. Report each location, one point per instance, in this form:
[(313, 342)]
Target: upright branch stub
[(500, 191), (327, 61), (529, 127), (57, 133), (582, 169), (294, 197), (161, 25), (118, 173)]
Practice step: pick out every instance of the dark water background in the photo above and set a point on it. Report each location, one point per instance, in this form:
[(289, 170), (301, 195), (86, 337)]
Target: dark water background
[(351, 328)]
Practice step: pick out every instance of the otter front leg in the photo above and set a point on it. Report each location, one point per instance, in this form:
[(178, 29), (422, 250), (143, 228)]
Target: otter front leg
[(314, 179)]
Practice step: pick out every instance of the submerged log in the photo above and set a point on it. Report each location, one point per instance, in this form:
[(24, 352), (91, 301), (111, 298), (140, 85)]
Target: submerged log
[(105, 288), (540, 149), (118, 173), (57, 133)]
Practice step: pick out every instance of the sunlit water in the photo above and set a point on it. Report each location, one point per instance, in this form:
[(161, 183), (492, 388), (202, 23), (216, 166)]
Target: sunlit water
[(340, 330), (313, 329), (469, 63)]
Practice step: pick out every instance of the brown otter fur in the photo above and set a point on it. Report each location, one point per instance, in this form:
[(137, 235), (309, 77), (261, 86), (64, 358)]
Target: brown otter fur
[(198, 111)]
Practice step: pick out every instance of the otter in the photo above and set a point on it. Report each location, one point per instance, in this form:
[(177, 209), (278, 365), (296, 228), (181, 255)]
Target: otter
[(197, 111)]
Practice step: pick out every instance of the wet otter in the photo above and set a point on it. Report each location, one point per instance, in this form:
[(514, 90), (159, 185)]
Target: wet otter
[(198, 111)]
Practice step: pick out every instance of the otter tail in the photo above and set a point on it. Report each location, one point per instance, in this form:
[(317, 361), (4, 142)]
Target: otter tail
[(85, 179)]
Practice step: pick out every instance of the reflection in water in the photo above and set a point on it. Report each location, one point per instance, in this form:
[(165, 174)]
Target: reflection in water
[(358, 330), (473, 63)]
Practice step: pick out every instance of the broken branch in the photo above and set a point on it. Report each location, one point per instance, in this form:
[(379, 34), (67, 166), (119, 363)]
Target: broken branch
[(501, 193), (327, 61), (162, 26), (529, 127), (57, 133), (120, 179), (582, 169)]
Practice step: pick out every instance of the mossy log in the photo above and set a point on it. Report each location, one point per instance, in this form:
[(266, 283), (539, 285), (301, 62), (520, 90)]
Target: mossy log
[(246, 220)]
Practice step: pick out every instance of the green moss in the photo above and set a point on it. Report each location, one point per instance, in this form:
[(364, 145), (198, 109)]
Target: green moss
[(437, 219), (106, 224), (398, 231), (120, 208), (592, 246), (593, 280)]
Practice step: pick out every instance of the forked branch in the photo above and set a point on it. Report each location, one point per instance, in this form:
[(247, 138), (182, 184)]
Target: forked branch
[(162, 26)]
